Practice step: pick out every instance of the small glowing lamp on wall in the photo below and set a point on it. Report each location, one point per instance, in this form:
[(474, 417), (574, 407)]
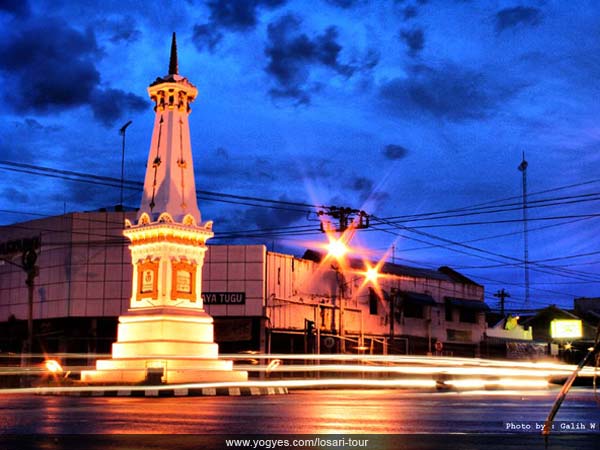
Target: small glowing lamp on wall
[(566, 329)]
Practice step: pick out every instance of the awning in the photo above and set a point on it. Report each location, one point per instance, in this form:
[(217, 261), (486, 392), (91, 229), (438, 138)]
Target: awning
[(417, 298), (475, 305)]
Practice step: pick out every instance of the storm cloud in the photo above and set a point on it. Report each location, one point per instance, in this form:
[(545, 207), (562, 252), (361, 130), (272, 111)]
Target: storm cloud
[(16, 8), (414, 40), (109, 105), (59, 71), (519, 15), (450, 92), (230, 15), (394, 152), (263, 218), (292, 54)]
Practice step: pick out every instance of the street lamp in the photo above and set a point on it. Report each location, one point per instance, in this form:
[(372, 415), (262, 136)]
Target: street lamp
[(337, 249), (371, 275), (122, 133)]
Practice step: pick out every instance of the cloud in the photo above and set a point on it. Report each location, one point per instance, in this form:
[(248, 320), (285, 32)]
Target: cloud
[(51, 63), (291, 55), (13, 147), (410, 12), (85, 196), (238, 15), (362, 184), (206, 37), (394, 152), (519, 15), (222, 153), (415, 41), (124, 29), (58, 72), (231, 15), (18, 8), (16, 196), (345, 4), (450, 92), (271, 218), (109, 105)]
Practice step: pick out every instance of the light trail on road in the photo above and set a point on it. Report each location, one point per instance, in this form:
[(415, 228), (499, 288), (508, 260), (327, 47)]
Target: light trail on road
[(323, 371)]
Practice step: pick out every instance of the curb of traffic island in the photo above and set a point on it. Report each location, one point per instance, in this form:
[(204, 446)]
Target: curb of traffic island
[(106, 391)]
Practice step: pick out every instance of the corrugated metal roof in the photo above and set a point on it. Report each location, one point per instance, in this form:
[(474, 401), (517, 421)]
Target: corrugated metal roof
[(467, 303), (444, 273), (416, 297)]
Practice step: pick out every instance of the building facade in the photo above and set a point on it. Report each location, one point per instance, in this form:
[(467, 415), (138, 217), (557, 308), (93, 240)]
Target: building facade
[(260, 300)]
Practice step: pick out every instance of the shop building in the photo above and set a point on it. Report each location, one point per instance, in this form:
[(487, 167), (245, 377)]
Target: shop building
[(260, 300)]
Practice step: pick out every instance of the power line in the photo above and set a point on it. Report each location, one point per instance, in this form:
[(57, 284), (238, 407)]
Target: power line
[(135, 185), (265, 202), (538, 267)]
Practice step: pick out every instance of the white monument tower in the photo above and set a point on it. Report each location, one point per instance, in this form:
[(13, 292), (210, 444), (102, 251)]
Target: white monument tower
[(166, 331)]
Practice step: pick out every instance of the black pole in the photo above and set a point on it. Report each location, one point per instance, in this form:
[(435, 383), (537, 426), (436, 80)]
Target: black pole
[(28, 261), (122, 132), (30, 287), (502, 295), (568, 383)]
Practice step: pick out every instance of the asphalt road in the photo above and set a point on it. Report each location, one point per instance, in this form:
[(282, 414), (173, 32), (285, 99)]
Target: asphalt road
[(384, 418)]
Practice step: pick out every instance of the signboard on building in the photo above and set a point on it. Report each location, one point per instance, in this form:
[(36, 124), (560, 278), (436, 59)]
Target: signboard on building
[(566, 329), (224, 298)]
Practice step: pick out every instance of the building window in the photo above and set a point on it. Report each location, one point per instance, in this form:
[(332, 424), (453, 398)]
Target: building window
[(412, 309), (373, 301), (459, 335), (449, 317), (468, 315)]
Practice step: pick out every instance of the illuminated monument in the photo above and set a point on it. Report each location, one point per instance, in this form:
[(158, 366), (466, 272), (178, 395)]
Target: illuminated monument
[(166, 333)]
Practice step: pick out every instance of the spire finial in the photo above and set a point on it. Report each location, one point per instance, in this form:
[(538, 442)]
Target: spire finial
[(173, 66)]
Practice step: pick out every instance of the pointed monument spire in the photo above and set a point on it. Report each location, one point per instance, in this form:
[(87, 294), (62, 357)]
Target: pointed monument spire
[(169, 186), (173, 66)]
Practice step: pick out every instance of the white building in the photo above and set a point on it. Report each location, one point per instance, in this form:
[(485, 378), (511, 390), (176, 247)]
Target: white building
[(260, 300)]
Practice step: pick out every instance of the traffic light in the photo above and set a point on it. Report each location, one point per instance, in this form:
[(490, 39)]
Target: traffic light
[(28, 261), (309, 327)]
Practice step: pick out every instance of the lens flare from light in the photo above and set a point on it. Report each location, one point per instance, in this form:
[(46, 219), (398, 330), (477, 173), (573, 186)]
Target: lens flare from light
[(53, 366), (371, 274), (337, 249)]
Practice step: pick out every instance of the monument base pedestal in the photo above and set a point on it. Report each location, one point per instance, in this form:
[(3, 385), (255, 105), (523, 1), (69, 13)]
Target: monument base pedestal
[(164, 345)]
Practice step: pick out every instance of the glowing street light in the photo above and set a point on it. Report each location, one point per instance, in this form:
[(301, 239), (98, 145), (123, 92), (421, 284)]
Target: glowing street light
[(337, 248), (371, 275)]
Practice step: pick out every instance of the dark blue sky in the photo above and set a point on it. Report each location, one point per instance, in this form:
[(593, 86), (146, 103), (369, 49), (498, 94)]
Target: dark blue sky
[(399, 108)]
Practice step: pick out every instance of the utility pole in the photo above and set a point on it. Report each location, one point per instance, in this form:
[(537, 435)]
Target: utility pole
[(29, 259), (346, 217), (502, 294), (394, 294), (29, 255), (523, 168), (122, 133)]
